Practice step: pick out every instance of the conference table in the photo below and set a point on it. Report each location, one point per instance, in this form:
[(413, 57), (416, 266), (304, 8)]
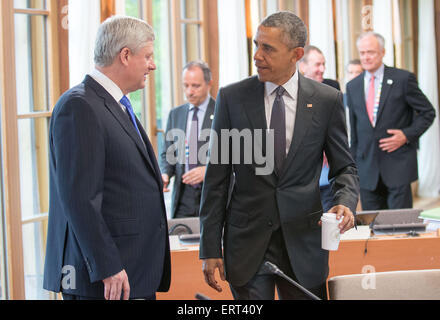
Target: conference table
[(355, 255)]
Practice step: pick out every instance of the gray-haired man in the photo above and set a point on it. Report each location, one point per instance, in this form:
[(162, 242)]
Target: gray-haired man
[(275, 217), (388, 114), (107, 236)]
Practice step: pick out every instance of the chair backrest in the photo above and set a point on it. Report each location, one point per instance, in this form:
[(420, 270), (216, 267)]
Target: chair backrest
[(184, 226), (393, 285)]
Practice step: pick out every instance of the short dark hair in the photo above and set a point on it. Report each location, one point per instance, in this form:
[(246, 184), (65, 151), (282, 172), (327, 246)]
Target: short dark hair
[(307, 51), (207, 74), (293, 28)]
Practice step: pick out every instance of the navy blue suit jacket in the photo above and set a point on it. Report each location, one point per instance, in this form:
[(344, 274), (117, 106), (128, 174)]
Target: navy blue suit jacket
[(402, 106), (107, 210), (260, 204)]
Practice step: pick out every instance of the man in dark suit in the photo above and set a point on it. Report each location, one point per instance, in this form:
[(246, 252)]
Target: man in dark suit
[(107, 236), (274, 216), (388, 114), (199, 111), (312, 66)]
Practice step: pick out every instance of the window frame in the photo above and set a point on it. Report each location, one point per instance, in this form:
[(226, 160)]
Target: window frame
[(57, 76)]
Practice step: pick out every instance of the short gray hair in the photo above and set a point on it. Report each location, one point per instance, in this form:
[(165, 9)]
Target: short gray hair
[(293, 28), (207, 74), (378, 36), (117, 33)]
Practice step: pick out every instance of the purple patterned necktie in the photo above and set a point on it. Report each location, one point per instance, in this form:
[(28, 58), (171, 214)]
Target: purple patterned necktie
[(193, 140), (278, 124)]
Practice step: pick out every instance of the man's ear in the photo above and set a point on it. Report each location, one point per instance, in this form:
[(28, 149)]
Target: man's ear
[(299, 53), (124, 56)]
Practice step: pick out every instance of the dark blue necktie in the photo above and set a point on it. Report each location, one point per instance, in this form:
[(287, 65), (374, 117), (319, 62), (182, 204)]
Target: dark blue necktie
[(126, 103), (278, 124)]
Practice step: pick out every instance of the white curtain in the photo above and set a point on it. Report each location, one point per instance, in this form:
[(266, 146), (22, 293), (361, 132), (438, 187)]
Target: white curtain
[(233, 53), (383, 24), (84, 20), (321, 33), (429, 153)]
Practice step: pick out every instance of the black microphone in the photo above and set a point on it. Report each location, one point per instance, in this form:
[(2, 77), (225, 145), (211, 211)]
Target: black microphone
[(200, 296), (275, 270)]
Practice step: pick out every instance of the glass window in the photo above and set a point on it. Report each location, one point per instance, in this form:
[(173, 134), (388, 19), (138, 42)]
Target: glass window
[(34, 166), (164, 72), (34, 188), (190, 9), (33, 92), (31, 66), (191, 42), (30, 4), (34, 244)]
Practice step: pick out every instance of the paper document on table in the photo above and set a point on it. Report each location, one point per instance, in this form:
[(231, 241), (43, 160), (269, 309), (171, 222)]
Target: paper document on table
[(431, 214), (362, 233)]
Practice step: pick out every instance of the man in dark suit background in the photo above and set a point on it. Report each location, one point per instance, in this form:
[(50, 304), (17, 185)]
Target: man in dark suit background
[(388, 114), (199, 111), (312, 66), (275, 217), (107, 220)]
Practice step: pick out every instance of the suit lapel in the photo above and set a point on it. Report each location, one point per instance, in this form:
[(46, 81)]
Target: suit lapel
[(209, 115), (182, 121), (386, 88), (304, 115), (254, 105), (121, 117)]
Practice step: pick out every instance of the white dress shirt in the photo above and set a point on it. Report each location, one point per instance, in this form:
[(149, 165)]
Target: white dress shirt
[(111, 87), (290, 101)]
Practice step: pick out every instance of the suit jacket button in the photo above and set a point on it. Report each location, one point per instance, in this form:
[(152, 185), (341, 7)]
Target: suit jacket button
[(270, 223)]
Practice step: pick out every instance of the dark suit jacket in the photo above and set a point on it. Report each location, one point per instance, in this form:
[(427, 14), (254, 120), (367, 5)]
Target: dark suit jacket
[(402, 106), (177, 119), (332, 83), (293, 198), (107, 211)]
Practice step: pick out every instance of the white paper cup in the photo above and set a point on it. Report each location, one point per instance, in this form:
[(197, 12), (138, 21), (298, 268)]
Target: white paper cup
[(331, 233)]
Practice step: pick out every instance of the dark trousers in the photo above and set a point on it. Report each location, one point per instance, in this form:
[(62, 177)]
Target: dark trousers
[(383, 197), (189, 202), (262, 285)]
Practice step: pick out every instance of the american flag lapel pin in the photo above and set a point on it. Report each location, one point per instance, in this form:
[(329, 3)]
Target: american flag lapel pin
[(309, 105)]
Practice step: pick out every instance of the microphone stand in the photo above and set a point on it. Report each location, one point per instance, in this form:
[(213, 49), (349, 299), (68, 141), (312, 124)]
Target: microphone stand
[(275, 270)]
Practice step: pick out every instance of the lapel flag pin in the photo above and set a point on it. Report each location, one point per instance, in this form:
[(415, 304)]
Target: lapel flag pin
[(309, 105), (390, 81)]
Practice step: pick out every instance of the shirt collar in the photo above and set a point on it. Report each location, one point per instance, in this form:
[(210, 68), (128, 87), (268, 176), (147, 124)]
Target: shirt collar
[(108, 84), (203, 106), (290, 86), (378, 74)]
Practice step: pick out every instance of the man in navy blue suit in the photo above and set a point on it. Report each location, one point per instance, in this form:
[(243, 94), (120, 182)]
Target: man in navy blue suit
[(388, 114), (107, 222)]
